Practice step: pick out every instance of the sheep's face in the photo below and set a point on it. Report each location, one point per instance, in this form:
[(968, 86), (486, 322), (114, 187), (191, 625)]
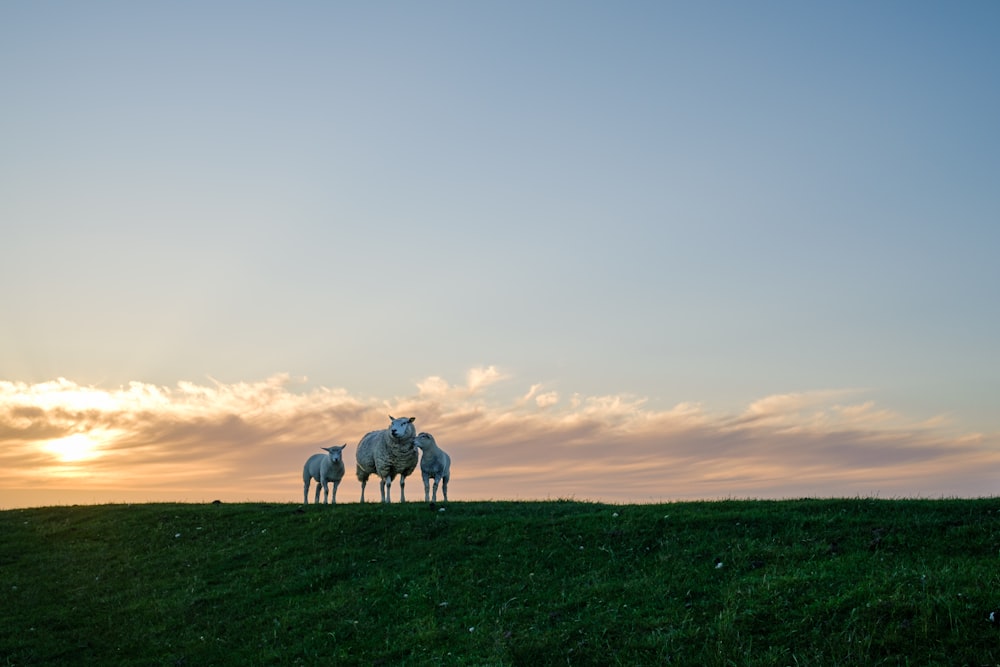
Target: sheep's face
[(402, 429), (424, 440), (336, 453)]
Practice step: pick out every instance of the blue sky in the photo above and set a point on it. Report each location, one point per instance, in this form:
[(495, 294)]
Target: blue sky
[(650, 204)]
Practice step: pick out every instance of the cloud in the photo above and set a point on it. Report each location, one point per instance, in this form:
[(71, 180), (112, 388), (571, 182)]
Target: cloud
[(477, 379), (247, 441), (480, 378), (819, 411), (542, 400)]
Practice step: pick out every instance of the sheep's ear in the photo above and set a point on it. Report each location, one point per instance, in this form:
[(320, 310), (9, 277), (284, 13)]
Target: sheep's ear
[(410, 420), (391, 418)]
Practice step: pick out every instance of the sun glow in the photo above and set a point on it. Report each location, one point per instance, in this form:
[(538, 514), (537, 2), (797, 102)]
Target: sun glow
[(76, 447)]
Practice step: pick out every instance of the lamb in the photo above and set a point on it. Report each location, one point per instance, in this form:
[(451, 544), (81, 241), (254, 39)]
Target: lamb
[(324, 468), (388, 453), (435, 463)]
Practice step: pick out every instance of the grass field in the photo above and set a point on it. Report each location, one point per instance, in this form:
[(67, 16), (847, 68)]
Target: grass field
[(804, 582)]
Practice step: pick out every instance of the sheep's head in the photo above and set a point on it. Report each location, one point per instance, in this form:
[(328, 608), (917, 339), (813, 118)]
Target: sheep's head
[(424, 440), (336, 453), (402, 429)]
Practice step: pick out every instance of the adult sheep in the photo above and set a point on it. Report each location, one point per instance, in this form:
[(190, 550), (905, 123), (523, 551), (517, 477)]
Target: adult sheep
[(324, 468), (434, 463), (388, 453)]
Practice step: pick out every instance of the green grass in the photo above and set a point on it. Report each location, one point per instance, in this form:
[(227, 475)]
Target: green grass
[(805, 582)]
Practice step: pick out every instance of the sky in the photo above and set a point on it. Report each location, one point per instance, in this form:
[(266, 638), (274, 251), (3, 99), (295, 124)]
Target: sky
[(621, 252)]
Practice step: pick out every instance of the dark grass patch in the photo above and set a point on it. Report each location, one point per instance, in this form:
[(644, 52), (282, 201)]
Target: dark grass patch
[(827, 582)]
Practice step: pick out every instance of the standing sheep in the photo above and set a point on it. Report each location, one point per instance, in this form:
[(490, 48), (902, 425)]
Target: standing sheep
[(435, 463), (324, 468), (388, 453)]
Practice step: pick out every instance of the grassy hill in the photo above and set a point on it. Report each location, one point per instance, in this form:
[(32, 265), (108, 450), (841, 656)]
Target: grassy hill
[(806, 582)]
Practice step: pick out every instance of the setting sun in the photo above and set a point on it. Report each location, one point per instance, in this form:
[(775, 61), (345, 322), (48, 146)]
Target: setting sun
[(76, 447)]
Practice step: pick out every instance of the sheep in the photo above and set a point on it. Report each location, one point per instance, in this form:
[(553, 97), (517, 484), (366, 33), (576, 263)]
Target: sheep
[(435, 463), (388, 453), (324, 468)]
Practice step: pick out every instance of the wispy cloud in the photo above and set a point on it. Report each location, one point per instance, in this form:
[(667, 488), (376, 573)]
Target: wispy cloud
[(247, 441)]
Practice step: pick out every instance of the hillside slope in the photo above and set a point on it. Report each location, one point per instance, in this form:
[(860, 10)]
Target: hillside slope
[(817, 582)]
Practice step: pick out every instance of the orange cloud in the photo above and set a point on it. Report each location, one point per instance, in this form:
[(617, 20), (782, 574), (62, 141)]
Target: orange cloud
[(61, 442)]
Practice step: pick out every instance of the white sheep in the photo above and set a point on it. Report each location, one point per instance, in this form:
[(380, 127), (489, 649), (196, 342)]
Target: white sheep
[(434, 463), (388, 453), (324, 468)]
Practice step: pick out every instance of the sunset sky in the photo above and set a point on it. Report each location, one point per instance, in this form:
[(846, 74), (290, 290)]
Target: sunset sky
[(628, 252)]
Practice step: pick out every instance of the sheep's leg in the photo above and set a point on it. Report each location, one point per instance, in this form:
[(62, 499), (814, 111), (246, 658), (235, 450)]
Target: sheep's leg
[(402, 486), (444, 487), (335, 485), (305, 491), (437, 480), (385, 488), (326, 492), (364, 482), (427, 487)]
